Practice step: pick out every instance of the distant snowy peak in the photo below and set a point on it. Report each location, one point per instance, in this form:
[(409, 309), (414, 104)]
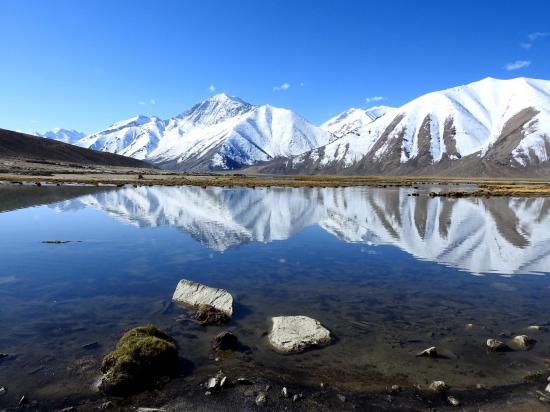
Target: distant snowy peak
[(479, 128), (253, 134), (352, 119), (135, 137), (216, 109), (63, 135)]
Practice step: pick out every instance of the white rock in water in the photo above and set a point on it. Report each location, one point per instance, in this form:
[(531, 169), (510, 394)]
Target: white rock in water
[(297, 333), (523, 341), (438, 386), (194, 294)]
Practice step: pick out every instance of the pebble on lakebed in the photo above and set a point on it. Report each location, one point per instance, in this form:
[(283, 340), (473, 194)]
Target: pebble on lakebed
[(438, 386), (142, 356), (495, 345), (296, 333), (523, 341)]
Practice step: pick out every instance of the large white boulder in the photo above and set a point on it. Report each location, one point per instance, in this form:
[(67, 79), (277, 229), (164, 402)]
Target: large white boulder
[(194, 294), (297, 333)]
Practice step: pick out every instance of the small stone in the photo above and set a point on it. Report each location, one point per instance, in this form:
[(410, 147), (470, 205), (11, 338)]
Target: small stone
[(69, 409), (225, 341), (3, 355), (395, 388), (207, 393), (23, 400), (244, 381), (522, 341), (495, 345), (106, 405), (535, 328), (548, 379), (261, 399), (431, 352), (3, 391), (323, 385), (284, 392), (438, 386), (547, 389), (453, 401), (470, 325), (224, 382), (145, 409), (210, 316), (480, 386), (342, 398), (212, 383), (297, 397), (267, 388)]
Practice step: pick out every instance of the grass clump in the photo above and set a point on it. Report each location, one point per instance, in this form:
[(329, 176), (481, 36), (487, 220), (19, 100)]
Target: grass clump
[(142, 356)]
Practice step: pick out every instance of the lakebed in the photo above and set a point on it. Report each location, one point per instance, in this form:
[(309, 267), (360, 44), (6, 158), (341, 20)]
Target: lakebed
[(388, 273)]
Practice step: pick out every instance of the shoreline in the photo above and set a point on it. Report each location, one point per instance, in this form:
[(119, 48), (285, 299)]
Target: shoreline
[(476, 187)]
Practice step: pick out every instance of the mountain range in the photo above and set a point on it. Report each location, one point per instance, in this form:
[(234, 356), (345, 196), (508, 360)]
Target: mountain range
[(220, 133), (489, 127)]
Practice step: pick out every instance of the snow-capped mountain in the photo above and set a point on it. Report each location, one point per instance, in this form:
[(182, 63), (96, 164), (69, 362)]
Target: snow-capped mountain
[(487, 127), (501, 235), (352, 119), (220, 133), (63, 135), (135, 137)]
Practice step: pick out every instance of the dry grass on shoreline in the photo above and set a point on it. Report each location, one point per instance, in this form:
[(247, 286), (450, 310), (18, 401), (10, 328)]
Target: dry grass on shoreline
[(480, 186)]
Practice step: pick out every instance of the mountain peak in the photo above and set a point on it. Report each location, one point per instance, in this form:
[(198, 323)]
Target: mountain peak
[(216, 109)]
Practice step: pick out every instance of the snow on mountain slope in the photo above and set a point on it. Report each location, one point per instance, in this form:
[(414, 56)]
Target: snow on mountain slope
[(352, 119), (507, 236), (222, 132), (135, 137), (503, 122), (63, 135)]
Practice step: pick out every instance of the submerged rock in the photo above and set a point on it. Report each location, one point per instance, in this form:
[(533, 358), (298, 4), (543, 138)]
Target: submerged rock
[(210, 316), (297, 333), (194, 294), (261, 399), (495, 345), (438, 386), (453, 401), (431, 352), (522, 341), (535, 328), (142, 356), (225, 341), (547, 389)]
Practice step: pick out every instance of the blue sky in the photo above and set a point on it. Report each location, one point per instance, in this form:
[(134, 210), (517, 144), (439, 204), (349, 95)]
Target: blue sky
[(86, 64)]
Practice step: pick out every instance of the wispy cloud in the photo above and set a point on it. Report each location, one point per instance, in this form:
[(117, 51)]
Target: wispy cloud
[(533, 37), (518, 64), (153, 101), (142, 103), (375, 99), (212, 88), (34, 121), (282, 87), (302, 84)]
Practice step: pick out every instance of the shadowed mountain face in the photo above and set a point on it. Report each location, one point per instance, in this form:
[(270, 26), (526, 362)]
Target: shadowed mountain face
[(15, 145), (507, 236)]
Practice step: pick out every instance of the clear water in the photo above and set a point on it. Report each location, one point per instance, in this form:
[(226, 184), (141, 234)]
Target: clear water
[(388, 274)]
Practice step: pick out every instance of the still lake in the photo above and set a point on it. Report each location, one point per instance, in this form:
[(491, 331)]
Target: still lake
[(388, 274)]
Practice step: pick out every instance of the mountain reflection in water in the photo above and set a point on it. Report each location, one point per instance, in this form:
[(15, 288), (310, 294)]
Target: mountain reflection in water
[(500, 235)]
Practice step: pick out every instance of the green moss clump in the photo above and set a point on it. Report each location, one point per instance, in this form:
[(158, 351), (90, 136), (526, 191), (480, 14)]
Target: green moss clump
[(141, 357)]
